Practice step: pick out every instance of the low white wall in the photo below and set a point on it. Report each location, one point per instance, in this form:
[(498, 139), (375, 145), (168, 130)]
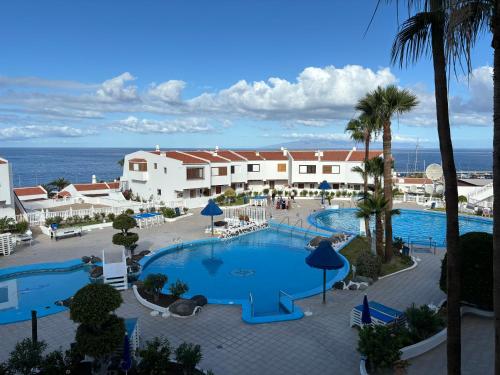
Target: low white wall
[(147, 304)]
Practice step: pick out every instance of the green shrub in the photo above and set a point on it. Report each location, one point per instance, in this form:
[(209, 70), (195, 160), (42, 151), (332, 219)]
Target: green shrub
[(368, 265), (338, 193), (154, 284), (303, 193), (168, 212), (129, 211), (22, 226), (26, 356), (265, 191), (111, 216), (423, 322), (381, 346), (178, 288), (155, 357), (97, 217), (188, 355), (476, 250), (53, 220)]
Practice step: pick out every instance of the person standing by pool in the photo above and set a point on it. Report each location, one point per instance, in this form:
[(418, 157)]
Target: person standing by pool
[(273, 197), (292, 195)]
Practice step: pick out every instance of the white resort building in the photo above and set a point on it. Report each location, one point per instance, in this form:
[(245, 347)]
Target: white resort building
[(7, 205), (195, 176)]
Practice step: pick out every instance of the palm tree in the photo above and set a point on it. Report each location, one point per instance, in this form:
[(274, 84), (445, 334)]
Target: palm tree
[(121, 162), (426, 30), (59, 183), (361, 130), (381, 105), (375, 169)]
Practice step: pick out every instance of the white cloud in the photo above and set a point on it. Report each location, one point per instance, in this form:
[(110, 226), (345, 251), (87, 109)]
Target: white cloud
[(6, 81), (38, 131), (169, 91), (116, 89), (147, 126)]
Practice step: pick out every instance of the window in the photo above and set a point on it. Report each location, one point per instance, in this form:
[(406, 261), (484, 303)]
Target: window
[(300, 186), (311, 186), (158, 192), (165, 170), (138, 167), (331, 169), (155, 165), (219, 171), (232, 169), (307, 169), (192, 193), (281, 167), (194, 174), (253, 167)]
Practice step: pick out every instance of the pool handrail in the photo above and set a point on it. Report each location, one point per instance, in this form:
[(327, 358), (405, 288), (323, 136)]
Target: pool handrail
[(292, 302), (250, 299)]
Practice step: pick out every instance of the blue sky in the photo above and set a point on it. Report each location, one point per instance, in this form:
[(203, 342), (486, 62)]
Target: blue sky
[(205, 73)]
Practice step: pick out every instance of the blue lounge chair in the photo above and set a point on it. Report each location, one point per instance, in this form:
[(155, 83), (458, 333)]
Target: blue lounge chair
[(380, 314)]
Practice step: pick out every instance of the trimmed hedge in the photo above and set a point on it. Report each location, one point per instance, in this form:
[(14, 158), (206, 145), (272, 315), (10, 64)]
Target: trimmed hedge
[(476, 249)]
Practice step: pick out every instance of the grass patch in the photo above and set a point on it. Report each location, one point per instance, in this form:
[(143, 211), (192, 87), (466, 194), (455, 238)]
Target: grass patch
[(360, 245)]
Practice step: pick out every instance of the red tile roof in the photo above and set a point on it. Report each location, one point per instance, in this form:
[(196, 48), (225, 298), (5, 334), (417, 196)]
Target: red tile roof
[(231, 155), (335, 155), (64, 194), (113, 185), (273, 155), (417, 180), (207, 155), (90, 187), (360, 155), (185, 158), (3, 161), (303, 155), (32, 190), (250, 155)]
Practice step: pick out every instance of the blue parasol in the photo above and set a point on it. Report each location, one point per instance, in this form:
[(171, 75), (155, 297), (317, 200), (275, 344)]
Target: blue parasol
[(324, 186), (366, 318), (126, 362), (326, 258), (211, 209)]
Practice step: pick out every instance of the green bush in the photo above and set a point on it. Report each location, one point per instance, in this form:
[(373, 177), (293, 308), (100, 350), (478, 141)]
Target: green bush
[(26, 356), (53, 220), (111, 216), (154, 284), (381, 346), (303, 193), (338, 193), (22, 226), (155, 357), (476, 250), (368, 265), (265, 191), (168, 212), (92, 303), (129, 211), (423, 322), (178, 288), (188, 355)]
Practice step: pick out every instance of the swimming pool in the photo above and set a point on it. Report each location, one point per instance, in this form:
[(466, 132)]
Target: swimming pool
[(38, 287), (412, 225), (146, 215), (267, 265)]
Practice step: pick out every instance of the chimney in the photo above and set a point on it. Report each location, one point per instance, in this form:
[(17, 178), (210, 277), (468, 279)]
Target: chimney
[(284, 150), (94, 179), (157, 148), (257, 153), (354, 148)]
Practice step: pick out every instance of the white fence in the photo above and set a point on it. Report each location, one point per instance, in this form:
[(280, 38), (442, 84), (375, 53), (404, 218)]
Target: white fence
[(255, 214)]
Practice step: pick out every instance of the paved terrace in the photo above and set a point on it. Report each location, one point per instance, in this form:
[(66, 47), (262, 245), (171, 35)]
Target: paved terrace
[(320, 344)]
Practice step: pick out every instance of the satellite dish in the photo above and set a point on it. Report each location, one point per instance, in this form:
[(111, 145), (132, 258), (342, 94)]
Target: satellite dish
[(434, 172), (439, 189), (429, 189)]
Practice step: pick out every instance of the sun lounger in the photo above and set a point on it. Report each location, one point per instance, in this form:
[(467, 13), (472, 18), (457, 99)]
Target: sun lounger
[(380, 314), (66, 232)]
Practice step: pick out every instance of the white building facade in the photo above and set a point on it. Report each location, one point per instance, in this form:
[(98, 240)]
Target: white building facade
[(7, 205), (192, 177)]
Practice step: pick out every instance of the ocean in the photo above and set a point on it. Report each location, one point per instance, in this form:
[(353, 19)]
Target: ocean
[(33, 166)]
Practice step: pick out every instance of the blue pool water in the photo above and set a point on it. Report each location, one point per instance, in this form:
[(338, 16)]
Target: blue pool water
[(260, 263), (413, 226), (145, 215), (38, 290)]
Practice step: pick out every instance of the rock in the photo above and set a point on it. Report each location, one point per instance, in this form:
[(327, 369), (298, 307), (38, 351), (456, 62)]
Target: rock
[(182, 307), (96, 272), (65, 302), (199, 300), (338, 285), (353, 286), (94, 259), (362, 286), (86, 259)]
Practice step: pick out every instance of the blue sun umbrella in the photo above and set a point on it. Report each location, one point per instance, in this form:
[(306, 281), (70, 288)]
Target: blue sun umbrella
[(211, 209), (324, 186), (326, 258), (126, 362), (365, 313)]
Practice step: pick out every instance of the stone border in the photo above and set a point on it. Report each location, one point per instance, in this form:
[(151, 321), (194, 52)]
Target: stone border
[(422, 347), (414, 265), (148, 304)]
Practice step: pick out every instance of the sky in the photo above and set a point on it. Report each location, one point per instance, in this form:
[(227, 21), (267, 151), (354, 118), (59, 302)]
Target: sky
[(198, 73)]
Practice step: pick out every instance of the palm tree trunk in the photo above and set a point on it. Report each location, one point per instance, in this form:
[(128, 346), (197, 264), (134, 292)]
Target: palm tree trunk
[(379, 235), (365, 182), (451, 195), (387, 139), (496, 179)]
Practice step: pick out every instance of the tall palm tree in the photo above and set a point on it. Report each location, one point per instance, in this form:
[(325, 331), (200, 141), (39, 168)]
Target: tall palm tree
[(374, 205), (361, 130), (424, 31), (375, 169), (381, 105), (364, 174), (59, 183)]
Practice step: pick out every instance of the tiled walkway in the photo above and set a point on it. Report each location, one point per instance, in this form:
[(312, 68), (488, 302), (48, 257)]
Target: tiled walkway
[(319, 344)]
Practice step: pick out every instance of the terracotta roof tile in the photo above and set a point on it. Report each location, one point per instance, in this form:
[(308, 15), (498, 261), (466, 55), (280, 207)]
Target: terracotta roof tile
[(113, 185), (303, 155), (64, 194), (417, 180), (231, 155), (273, 155), (335, 155), (250, 155), (207, 155), (359, 155), (90, 187), (31, 190), (185, 158)]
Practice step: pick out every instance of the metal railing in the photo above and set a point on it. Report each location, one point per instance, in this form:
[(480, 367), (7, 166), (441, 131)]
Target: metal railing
[(250, 298)]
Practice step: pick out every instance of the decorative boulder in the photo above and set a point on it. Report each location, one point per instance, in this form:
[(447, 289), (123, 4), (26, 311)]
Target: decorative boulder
[(182, 307), (199, 300), (338, 285), (85, 259), (96, 272), (353, 286)]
